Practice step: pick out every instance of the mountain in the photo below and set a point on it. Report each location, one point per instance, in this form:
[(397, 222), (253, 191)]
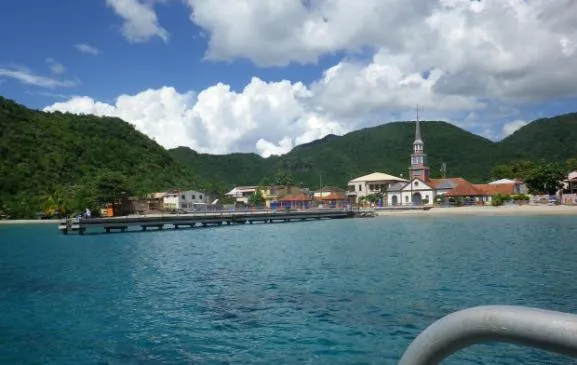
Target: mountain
[(553, 139), (43, 154), (337, 159)]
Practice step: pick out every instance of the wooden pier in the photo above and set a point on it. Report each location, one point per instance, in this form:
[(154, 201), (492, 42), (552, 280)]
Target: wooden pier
[(176, 221)]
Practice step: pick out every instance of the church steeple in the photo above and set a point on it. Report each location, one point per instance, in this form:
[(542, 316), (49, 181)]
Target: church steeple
[(418, 168)]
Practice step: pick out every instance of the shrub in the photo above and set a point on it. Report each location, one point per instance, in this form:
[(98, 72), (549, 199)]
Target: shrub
[(520, 197)]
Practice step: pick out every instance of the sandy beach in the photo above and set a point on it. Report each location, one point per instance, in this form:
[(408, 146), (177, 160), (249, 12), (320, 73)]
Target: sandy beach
[(512, 210), (30, 221)]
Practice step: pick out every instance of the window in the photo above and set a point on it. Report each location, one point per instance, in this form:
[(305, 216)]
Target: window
[(183, 197), (200, 197), (193, 196), (183, 205), (360, 188), (406, 199), (371, 187), (416, 183)]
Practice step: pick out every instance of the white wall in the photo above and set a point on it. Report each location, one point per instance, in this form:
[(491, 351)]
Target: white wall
[(417, 186), (184, 199), (364, 188)]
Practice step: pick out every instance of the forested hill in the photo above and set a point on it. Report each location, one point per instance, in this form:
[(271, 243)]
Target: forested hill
[(553, 139), (56, 158), (337, 159)]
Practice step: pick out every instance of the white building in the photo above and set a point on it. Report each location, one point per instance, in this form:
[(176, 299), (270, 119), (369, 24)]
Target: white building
[(189, 199), (374, 183), (242, 193)]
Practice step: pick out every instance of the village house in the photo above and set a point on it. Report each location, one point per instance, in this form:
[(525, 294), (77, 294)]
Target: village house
[(374, 183), (241, 194), (186, 200), (330, 197), (569, 192), (273, 193), (299, 200)]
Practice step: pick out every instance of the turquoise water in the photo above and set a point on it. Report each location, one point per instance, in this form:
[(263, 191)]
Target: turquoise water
[(328, 292)]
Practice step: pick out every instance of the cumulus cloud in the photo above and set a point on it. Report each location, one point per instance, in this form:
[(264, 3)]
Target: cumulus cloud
[(217, 120), (512, 127), (26, 76), (86, 48), (475, 48), (140, 20), (460, 60)]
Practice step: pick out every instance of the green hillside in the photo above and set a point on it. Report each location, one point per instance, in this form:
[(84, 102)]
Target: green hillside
[(225, 170), (337, 159), (46, 156), (554, 139), (387, 148)]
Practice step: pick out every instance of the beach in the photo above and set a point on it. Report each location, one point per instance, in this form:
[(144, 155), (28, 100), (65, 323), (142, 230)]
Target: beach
[(508, 210), (29, 221)]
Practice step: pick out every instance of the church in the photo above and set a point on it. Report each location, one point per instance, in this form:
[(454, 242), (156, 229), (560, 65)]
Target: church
[(422, 190)]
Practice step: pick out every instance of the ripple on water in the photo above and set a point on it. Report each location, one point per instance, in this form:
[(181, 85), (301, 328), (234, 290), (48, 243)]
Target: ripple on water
[(334, 292)]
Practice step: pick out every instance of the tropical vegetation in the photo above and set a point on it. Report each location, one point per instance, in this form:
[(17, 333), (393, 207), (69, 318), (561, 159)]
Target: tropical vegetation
[(59, 163)]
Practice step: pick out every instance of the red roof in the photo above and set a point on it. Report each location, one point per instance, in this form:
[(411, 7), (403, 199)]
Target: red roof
[(436, 182), (464, 188), (295, 198), (492, 189), (334, 196)]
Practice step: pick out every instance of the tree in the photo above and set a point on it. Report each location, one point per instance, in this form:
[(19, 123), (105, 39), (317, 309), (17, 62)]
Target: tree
[(545, 178), (284, 177), (257, 198), (112, 187), (374, 198), (502, 172), (512, 170), (571, 164)]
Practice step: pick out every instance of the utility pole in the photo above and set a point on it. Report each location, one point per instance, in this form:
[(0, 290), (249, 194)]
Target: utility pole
[(321, 186)]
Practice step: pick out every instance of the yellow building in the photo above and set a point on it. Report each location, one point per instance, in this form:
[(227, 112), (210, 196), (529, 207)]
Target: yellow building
[(274, 192)]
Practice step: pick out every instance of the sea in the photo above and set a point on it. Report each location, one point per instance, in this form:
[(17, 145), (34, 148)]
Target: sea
[(351, 291)]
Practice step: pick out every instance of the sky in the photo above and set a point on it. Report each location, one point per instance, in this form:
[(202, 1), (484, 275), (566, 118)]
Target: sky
[(263, 76)]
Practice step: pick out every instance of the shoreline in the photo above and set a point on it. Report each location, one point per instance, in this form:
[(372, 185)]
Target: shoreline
[(28, 221), (513, 210)]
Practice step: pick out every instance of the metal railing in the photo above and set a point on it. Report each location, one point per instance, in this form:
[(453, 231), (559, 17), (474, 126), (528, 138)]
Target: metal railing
[(544, 329)]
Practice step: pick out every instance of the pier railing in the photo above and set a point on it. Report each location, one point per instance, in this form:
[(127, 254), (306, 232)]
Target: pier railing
[(548, 330)]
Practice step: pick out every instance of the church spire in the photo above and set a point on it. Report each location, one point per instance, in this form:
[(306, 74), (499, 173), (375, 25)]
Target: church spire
[(418, 167), (418, 128)]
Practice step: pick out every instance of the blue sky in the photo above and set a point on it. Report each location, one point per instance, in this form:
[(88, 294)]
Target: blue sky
[(264, 76)]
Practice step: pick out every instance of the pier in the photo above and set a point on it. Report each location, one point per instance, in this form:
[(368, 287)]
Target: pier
[(176, 221)]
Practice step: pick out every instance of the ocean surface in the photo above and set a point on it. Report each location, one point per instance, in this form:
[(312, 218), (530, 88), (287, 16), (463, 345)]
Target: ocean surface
[(354, 291)]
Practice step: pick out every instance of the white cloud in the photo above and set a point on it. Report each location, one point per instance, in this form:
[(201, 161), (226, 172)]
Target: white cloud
[(461, 60), (140, 20), (27, 77), (86, 48), (218, 120), (55, 67), (512, 127), (476, 48)]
